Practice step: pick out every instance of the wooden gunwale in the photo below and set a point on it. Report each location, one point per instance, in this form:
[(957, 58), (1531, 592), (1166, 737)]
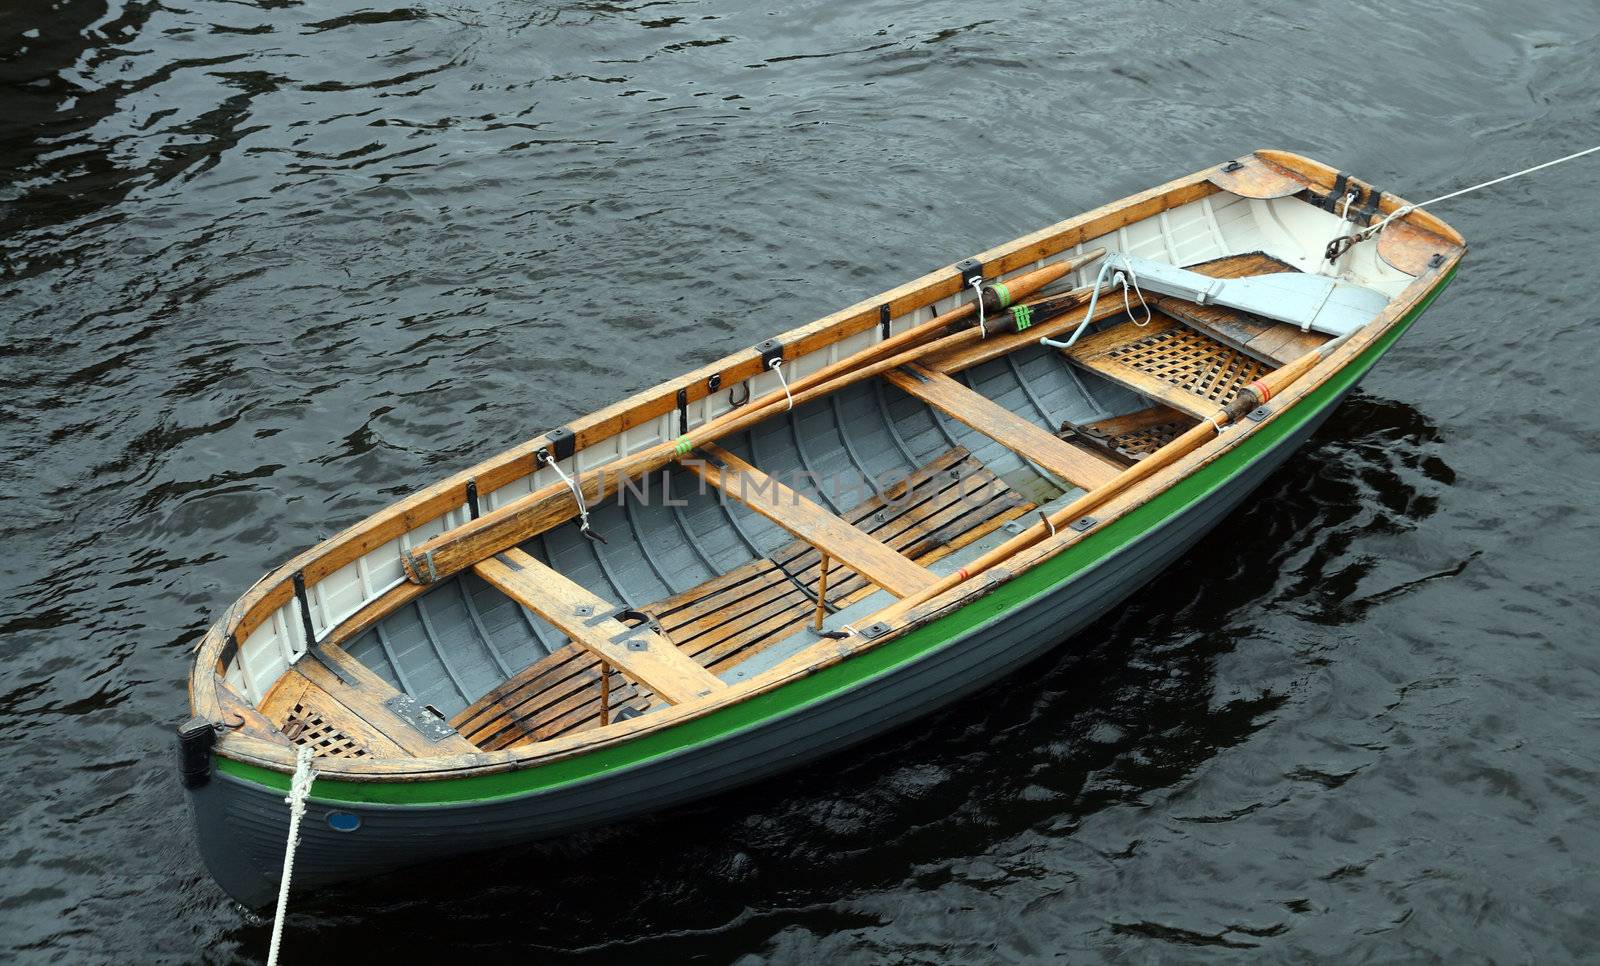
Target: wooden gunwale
[(337, 551)]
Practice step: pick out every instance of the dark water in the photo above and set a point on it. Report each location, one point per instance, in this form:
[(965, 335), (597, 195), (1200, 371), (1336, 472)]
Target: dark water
[(265, 266)]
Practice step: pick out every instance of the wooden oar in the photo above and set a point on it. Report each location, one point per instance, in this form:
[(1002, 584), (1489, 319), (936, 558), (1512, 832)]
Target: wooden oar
[(457, 549), (1258, 392)]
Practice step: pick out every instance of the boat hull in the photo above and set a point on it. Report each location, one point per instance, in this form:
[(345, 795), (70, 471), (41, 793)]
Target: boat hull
[(242, 823)]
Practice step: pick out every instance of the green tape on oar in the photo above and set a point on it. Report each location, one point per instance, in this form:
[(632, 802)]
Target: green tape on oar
[(683, 446), (1023, 316), (1003, 293)]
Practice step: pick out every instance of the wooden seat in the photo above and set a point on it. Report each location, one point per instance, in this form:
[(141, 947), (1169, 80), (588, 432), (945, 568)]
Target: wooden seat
[(1082, 468)]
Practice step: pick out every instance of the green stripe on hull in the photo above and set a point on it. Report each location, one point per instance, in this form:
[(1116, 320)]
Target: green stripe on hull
[(883, 659)]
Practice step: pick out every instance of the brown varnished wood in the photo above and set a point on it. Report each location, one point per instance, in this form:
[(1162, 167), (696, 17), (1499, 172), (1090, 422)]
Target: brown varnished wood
[(558, 694), (965, 357), (810, 522), (365, 699), (1168, 362), (659, 666), (1078, 466), (1408, 248), (828, 653), (1255, 177), (433, 501), (241, 716)]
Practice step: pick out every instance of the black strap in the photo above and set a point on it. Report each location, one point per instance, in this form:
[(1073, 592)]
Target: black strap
[(1331, 203)]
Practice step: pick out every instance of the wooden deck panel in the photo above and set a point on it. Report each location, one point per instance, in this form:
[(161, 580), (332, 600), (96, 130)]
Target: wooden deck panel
[(311, 704), (1081, 467), (555, 695), (720, 621), (1133, 436)]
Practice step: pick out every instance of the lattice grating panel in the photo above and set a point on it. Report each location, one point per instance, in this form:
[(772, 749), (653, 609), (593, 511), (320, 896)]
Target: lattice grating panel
[(306, 726), (1192, 362), (1140, 443)]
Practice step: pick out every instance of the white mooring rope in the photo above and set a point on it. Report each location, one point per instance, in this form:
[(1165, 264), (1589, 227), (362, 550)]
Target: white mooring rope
[(1404, 210), (299, 791)]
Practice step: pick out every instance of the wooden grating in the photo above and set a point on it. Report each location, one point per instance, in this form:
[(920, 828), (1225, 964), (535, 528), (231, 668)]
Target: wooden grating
[(1192, 362), (1170, 363), (1133, 436), (305, 725), (941, 507)]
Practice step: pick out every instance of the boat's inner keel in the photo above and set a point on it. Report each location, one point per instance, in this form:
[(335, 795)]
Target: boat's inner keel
[(752, 551)]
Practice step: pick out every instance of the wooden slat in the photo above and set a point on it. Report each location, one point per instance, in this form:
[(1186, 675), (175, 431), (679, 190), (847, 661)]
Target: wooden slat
[(660, 666), (556, 695), (1080, 467), (873, 560)]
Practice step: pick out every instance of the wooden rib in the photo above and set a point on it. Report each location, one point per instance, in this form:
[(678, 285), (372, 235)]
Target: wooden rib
[(659, 666), (1078, 466), (795, 513)]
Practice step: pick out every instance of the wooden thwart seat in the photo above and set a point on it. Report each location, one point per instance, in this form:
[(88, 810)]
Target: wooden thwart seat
[(800, 516), (1081, 467), (639, 652)]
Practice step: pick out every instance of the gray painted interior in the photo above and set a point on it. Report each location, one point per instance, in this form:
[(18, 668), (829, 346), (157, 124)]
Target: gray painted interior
[(455, 643)]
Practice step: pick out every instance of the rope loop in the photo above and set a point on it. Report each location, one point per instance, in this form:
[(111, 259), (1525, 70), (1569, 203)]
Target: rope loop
[(977, 289), (577, 494), (1123, 274), (777, 366)]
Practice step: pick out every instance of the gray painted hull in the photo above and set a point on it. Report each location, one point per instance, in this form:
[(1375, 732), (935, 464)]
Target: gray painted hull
[(242, 826)]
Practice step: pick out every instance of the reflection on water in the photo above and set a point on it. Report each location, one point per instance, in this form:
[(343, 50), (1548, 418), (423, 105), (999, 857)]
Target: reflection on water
[(267, 265)]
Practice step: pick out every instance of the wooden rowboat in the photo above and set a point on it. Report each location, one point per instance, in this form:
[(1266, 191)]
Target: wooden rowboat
[(492, 660)]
